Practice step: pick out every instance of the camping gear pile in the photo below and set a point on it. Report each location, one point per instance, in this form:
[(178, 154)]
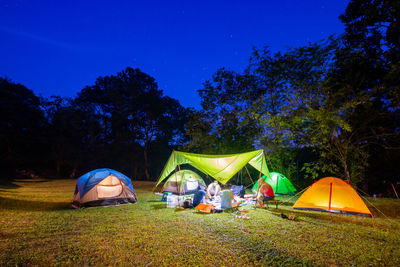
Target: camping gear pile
[(220, 167)]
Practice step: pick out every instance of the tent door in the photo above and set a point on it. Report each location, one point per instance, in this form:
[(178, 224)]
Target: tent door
[(109, 187)]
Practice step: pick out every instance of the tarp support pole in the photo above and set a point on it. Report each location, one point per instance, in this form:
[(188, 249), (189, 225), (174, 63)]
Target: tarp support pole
[(330, 196), (394, 189), (258, 187)]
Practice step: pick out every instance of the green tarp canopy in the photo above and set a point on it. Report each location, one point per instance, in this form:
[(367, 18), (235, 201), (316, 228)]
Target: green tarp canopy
[(220, 167), (279, 183)]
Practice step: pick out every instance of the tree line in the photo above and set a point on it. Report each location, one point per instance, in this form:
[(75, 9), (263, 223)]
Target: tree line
[(123, 121), (329, 108)]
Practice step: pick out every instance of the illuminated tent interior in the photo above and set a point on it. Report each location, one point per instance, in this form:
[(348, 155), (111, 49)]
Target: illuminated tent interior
[(332, 195), (280, 184), (183, 182), (220, 167), (103, 187)]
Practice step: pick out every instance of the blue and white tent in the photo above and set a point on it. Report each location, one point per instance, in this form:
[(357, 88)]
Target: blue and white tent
[(103, 187)]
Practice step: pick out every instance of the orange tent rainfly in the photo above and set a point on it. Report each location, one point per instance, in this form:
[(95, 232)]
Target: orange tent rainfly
[(333, 195)]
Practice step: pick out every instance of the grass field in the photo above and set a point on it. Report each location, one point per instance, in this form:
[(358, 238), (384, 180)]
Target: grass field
[(38, 227)]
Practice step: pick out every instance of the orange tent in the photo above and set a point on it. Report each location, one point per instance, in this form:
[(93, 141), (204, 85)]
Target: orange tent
[(333, 195)]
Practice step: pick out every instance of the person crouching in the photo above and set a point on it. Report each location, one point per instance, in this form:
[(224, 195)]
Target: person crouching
[(213, 190)]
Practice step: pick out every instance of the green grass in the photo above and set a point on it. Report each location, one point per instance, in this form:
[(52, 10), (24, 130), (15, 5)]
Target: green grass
[(38, 227)]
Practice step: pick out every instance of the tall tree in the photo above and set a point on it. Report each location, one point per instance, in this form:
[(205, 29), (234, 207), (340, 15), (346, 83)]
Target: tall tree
[(21, 124), (133, 114), (372, 31), (369, 65), (74, 133), (220, 127)]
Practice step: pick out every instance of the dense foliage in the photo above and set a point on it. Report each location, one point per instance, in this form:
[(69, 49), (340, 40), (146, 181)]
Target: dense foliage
[(326, 109)]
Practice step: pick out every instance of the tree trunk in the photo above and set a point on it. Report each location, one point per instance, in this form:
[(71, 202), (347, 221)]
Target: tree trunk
[(73, 173)]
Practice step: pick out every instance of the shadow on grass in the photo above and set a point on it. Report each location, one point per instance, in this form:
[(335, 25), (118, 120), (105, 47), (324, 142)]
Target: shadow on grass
[(278, 212), (154, 200), (202, 213), (164, 206), (318, 218), (30, 205), (4, 235), (8, 184), (33, 180), (179, 210), (159, 206), (286, 204)]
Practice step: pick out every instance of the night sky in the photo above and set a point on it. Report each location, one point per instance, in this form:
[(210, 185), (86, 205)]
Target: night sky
[(55, 48)]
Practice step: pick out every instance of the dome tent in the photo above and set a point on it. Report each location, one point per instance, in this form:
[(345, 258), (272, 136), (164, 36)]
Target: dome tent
[(333, 195), (183, 182), (280, 184), (103, 187)]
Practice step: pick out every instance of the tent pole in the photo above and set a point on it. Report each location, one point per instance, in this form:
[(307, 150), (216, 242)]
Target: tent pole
[(258, 187), (330, 197), (277, 183), (183, 187), (176, 181)]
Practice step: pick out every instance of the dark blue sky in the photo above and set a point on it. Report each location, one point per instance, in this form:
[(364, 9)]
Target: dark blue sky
[(55, 48)]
